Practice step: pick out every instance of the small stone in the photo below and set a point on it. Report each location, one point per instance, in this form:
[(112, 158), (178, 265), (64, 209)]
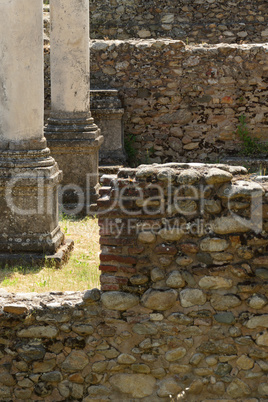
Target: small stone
[(263, 389), (15, 309), (213, 245), (168, 387), (224, 318), (216, 176), (257, 301), (119, 300), (196, 358), (196, 387), (235, 332), (244, 362), (184, 261), (212, 206), (98, 391), (175, 354), (224, 302), (83, 329), (222, 257), (75, 361), (52, 376), (138, 279), (258, 321), (217, 347), (175, 280), (92, 295), (124, 358), (238, 389), (44, 366), (180, 318), (137, 385), (192, 297), (262, 340), (141, 368), (7, 379), (204, 258), (146, 237), (156, 317), (146, 328), (99, 367), (173, 234), (215, 282), (159, 300), (211, 360), (39, 332), (262, 273), (203, 371), (223, 369), (165, 260), (22, 393), (157, 274), (228, 224)]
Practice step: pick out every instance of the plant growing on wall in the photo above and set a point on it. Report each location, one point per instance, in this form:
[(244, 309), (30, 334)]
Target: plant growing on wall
[(250, 145)]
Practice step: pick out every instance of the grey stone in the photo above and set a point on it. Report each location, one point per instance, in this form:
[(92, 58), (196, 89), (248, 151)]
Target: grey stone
[(192, 297), (257, 301), (175, 354), (262, 273), (157, 274), (159, 300), (217, 347), (119, 300), (213, 244), (83, 329), (180, 318), (223, 369), (212, 206), (225, 318), (125, 358), (146, 328), (215, 282), (140, 368), (238, 389), (136, 385), (241, 188), (216, 176), (98, 391), (75, 361), (258, 321), (31, 352), (228, 224), (225, 302), (204, 258), (38, 332), (92, 295), (52, 376), (263, 389), (175, 280)]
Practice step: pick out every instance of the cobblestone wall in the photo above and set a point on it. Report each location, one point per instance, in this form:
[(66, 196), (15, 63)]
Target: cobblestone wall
[(183, 307), (195, 21), (183, 103)]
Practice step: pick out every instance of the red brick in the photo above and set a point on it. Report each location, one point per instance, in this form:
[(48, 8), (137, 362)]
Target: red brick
[(108, 268), (130, 270), (166, 249), (118, 258), (111, 241), (110, 287)]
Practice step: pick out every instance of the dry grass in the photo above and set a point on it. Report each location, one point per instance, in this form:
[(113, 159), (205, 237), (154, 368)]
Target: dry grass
[(80, 273)]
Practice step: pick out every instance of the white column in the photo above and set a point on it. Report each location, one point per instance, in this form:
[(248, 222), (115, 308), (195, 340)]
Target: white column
[(72, 136), (21, 73), (29, 175), (69, 65)]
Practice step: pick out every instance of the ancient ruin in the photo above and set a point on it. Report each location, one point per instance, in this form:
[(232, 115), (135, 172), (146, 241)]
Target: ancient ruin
[(182, 309), (71, 133), (29, 176)]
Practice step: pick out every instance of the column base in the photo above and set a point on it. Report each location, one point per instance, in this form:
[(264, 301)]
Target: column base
[(29, 202), (60, 257), (74, 142)]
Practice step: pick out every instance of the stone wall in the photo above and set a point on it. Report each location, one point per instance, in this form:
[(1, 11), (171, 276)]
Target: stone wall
[(195, 21), (182, 103), (183, 306)]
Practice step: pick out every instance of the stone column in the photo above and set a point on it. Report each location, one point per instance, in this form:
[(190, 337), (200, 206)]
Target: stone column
[(28, 174), (72, 136)]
